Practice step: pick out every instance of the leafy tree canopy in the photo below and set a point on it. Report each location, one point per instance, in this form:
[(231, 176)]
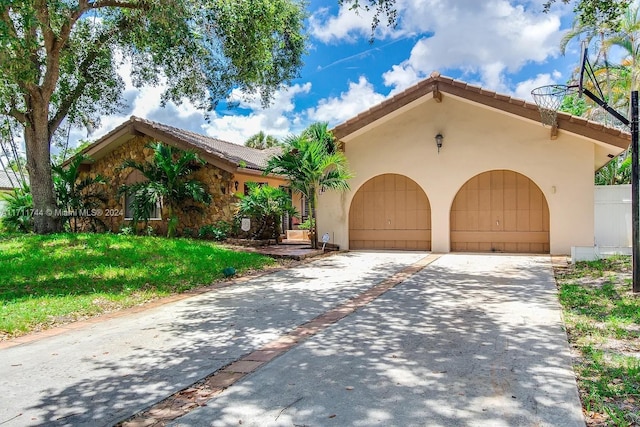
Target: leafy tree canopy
[(595, 12), (58, 60)]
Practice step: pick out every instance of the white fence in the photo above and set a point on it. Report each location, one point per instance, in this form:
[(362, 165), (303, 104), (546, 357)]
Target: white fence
[(613, 218)]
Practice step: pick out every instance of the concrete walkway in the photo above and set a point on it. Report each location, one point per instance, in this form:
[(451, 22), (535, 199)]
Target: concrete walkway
[(469, 340)]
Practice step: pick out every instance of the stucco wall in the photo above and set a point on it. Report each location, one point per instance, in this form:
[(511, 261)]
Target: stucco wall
[(476, 139), (217, 181)]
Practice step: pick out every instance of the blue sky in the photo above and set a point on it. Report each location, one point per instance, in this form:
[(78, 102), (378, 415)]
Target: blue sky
[(503, 45)]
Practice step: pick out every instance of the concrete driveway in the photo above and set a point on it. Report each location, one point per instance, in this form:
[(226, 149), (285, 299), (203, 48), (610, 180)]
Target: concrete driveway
[(468, 340)]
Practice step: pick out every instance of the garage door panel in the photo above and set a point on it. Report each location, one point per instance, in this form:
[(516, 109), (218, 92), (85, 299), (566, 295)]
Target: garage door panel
[(523, 220), (484, 199), (499, 236), (511, 247), (472, 200), (535, 200), (510, 220), (394, 214), (545, 216), (535, 220), (484, 220), (504, 211), (497, 220), (523, 196)]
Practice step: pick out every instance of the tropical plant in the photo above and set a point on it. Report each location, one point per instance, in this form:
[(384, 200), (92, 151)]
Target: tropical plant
[(310, 167), (78, 198), (17, 215), (319, 131), (266, 205), (261, 141), (627, 37), (307, 224), (168, 181), (616, 172), (218, 231)]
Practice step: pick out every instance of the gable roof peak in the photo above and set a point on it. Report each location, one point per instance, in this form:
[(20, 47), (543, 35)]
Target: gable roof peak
[(436, 85)]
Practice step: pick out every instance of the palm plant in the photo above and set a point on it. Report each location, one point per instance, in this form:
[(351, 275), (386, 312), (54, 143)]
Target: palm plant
[(78, 198), (266, 205), (261, 141), (627, 37), (168, 180), (310, 167), (17, 215), (319, 131)]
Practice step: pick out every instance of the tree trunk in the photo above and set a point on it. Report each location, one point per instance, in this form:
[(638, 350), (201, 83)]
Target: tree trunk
[(37, 141), (314, 225)]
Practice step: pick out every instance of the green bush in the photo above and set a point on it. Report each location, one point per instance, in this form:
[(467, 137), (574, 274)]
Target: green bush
[(17, 216), (220, 231), (307, 224)]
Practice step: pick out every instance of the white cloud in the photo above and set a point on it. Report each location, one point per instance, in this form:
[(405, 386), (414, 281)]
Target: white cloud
[(486, 38), (346, 26), (523, 89), (358, 98), (278, 119)]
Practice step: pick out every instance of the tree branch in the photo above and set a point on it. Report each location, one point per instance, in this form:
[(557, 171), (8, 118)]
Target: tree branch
[(17, 114), (67, 103), (116, 3)]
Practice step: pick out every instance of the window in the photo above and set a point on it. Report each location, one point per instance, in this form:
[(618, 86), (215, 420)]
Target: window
[(156, 211), (155, 214)]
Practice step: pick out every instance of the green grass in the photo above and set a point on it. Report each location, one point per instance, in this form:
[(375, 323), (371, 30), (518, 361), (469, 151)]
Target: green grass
[(49, 280), (603, 324)]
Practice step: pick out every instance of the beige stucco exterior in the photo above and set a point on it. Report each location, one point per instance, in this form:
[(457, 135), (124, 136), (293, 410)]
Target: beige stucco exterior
[(477, 138)]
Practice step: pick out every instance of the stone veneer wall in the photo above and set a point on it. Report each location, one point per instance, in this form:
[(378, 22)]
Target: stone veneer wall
[(216, 180)]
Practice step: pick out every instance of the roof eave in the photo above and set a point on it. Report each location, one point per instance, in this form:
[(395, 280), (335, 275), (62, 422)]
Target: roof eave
[(436, 85)]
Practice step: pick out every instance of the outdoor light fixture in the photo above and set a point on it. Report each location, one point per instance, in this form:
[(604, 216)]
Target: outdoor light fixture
[(439, 139), (235, 185)]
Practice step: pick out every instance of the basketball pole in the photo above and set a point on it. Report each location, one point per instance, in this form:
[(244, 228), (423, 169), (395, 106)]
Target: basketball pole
[(635, 186), (635, 179)]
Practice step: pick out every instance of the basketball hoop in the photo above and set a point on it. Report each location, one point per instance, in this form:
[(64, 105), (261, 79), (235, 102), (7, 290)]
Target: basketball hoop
[(548, 99)]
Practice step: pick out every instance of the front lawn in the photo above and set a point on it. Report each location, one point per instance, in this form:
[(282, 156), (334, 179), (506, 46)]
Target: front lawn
[(603, 324), (50, 280)]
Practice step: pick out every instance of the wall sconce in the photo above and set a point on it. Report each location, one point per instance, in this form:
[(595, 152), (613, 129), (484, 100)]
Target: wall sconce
[(235, 185), (439, 139)]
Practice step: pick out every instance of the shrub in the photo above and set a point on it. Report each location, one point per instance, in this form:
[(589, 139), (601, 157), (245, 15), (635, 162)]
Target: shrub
[(18, 213), (220, 231), (307, 224)]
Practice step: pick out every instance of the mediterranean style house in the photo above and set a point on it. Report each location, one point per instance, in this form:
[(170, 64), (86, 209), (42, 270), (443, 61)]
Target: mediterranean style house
[(447, 166), (227, 170)]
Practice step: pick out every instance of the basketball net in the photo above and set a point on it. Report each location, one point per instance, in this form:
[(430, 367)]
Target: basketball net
[(548, 99)]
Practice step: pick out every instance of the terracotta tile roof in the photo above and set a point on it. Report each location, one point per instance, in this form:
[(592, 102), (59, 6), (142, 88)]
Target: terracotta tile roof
[(249, 158), (437, 85), (228, 155)]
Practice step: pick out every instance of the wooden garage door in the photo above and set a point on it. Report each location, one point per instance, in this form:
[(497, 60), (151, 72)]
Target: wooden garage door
[(390, 212), (500, 211)]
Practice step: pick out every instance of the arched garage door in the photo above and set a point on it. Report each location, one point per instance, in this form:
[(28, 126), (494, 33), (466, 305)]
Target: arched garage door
[(500, 211), (390, 211)]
